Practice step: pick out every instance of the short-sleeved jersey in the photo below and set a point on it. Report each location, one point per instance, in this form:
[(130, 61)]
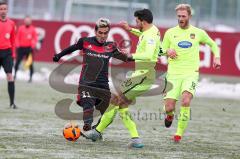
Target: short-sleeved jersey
[(26, 36), (7, 35), (186, 44)]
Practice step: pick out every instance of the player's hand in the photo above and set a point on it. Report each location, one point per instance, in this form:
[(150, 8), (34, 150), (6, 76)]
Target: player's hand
[(216, 63), (125, 25), (171, 53), (56, 58)]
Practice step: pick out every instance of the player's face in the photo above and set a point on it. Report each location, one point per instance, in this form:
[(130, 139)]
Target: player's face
[(183, 18), (27, 21), (139, 24), (3, 11), (102, 34)]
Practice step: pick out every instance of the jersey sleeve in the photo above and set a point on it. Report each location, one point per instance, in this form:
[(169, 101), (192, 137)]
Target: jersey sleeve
[(13, 32), (148, 50), (165, 43), (207, 40), (136, 32), (72, 48), (18, 34), (121, 56), (35, 38)]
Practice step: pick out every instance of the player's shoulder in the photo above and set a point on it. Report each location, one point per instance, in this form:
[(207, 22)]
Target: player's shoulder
[(196, 29), (171, 30), (89, 39), (10, 21), (21, 27), (110, 43)]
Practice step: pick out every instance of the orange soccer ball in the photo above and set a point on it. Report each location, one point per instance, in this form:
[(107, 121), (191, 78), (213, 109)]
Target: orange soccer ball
[(71, 132)]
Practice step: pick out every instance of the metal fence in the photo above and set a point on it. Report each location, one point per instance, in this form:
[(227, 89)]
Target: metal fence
[(207, 13)]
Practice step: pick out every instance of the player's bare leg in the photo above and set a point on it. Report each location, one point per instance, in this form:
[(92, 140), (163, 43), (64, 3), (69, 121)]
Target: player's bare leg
[(169, 108)]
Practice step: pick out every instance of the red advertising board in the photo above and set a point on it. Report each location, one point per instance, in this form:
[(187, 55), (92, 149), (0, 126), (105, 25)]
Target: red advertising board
[(54, 36)]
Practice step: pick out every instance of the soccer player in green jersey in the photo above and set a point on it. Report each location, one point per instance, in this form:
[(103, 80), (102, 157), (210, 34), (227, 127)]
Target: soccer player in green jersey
[(182, 45), (140, 80)]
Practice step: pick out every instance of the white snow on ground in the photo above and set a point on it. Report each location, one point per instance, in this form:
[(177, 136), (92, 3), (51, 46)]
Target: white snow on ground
[(205, 88)]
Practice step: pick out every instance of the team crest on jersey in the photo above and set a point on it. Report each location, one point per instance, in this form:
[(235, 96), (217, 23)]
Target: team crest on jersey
[(192, 36), (89, 46), (29, 36), (110, 46), (7, 36)]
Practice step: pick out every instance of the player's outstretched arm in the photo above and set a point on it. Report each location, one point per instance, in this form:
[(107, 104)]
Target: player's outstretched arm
[(125, 25), (123, 56), (69, 50)]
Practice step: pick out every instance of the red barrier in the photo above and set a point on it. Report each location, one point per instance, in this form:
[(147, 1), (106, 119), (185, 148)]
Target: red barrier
[(58, 35)]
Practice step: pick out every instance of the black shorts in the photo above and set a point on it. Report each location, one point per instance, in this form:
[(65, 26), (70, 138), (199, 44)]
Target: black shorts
[(23, 52), (6, 60), (94, 95)]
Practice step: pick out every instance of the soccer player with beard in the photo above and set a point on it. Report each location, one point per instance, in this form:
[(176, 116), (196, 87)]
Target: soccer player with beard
[(7, 49), (182, 44), (138, 83), (26, 40)]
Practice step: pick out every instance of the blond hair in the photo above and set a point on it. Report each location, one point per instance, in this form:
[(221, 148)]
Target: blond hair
[(186, 7)]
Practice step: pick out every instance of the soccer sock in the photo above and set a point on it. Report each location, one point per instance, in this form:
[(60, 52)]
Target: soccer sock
[(107, 118), (171, 113), (31, 72), (183, 120), (128, 122), (11, 91), (88, 115)]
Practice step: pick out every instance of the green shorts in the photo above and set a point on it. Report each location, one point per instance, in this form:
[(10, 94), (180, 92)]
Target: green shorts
[(181, 83), (137, 85)]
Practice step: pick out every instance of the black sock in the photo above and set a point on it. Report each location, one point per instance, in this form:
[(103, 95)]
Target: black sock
[(11, 91)]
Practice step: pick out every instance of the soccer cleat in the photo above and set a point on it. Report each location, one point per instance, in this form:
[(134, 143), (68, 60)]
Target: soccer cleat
[(93, 135), (136, 143), (168, 121), (13, 106), (177, 138)]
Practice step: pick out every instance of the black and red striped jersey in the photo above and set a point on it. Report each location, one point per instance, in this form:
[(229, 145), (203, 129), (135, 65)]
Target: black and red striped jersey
[(96, 58)]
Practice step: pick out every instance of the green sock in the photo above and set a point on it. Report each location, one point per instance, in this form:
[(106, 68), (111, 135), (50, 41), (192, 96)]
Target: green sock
[(168, 113), (107, 118), (128, 122), (183, 120)]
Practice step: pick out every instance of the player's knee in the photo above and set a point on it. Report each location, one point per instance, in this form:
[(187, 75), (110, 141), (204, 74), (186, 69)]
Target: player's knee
[(10, 77), (186, 101), (169, 107), (114, 99)]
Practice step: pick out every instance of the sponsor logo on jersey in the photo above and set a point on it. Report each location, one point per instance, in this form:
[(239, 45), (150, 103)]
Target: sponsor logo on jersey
[(151, 41), (97, 55), (89, 46), (7, 36), (192, 36), (185, 44)]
